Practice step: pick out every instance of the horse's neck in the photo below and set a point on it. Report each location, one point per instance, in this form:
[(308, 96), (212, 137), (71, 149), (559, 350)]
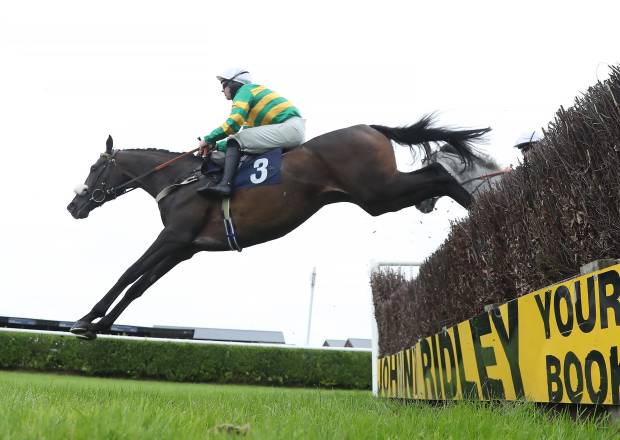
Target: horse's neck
[(135, 163)]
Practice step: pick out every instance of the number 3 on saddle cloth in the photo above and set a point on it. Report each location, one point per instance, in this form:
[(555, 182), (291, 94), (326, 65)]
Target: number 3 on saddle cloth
[(254, 170)]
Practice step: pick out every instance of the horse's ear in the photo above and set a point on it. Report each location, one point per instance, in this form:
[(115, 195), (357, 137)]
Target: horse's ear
[(108, 145)]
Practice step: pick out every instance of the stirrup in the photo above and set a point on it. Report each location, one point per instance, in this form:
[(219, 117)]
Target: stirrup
[(221, 189)]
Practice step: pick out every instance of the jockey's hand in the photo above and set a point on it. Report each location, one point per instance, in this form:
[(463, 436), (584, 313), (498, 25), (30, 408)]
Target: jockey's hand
[(204, 148)]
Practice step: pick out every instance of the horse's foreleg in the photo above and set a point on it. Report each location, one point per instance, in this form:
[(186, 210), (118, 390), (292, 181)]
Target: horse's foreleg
[(135, 291), (140, 286), (161, 247)]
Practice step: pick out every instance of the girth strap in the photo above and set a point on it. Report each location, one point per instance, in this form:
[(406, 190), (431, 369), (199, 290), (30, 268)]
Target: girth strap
[(231, 235), (170, 188)]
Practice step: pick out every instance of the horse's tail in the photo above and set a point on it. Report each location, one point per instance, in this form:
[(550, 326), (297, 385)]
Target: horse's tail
[(421, 133)]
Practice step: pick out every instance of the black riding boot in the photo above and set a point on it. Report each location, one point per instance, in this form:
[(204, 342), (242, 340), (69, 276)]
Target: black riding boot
[(224, 187)]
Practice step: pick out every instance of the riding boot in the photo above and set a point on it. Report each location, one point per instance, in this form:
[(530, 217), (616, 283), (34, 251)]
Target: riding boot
[(224, 187)]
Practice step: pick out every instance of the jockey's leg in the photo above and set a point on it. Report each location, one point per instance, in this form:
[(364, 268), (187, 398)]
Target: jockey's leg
[(255, 140), (224, 187), (218, 157), (215, 157), (258, 140)]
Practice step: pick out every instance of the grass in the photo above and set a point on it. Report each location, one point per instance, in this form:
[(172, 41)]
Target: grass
[(44, 406)]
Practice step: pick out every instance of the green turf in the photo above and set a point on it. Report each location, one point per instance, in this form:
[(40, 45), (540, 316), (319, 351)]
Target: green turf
[(44, 406)]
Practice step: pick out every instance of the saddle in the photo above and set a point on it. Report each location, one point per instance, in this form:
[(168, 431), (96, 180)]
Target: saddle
[(213, 170), (253, 170)]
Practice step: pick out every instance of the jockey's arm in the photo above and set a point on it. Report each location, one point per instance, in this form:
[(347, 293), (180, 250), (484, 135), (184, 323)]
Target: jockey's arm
[(234, 122)]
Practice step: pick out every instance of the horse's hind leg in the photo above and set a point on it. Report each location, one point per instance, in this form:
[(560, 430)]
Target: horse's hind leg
[(427, 206), (407, 189)]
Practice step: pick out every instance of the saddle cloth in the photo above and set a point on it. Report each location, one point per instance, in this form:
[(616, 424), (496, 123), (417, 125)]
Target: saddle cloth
[(253, 170)]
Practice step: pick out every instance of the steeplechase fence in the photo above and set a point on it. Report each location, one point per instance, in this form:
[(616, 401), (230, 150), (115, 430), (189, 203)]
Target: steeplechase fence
[(558, 344), (509, 306)]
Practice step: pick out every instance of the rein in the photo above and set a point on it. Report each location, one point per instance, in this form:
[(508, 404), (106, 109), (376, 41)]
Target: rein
[(113, 190), (99, 195), (485, 178)]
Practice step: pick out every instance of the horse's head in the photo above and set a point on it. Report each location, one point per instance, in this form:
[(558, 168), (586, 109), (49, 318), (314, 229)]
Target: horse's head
[(481, 175), (96, 190)]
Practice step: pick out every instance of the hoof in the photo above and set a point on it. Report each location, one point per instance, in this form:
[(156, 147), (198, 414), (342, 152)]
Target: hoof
[(87, 336), (84, 330), (427, 206)]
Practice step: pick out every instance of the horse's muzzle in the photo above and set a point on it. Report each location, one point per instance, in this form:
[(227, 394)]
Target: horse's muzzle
[(77, 212)]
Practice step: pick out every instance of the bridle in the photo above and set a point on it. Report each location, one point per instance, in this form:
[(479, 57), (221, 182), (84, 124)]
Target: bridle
[(101, 194)]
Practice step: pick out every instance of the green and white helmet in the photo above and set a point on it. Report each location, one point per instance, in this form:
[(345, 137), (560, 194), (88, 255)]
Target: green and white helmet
[(235, 74)]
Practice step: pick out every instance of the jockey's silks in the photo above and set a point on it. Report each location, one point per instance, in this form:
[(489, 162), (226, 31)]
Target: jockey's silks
[(253, 106)]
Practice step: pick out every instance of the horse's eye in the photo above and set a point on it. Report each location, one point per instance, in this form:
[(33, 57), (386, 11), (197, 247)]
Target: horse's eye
[(93, 168)]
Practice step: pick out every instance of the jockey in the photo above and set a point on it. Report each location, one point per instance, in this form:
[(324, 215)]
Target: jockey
[(527, 140), (260, 120)]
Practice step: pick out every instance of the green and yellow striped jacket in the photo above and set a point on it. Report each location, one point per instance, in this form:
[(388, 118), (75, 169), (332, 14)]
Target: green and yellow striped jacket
[(253, 106)]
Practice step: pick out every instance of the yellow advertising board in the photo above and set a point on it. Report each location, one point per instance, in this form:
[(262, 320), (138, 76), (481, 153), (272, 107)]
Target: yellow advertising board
[(557, 344)]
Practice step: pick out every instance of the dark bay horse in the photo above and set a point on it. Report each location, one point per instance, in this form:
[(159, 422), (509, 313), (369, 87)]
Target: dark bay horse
[(355, 164)]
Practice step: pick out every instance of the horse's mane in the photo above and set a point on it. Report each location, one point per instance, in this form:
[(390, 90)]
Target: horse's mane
[(160, 150)]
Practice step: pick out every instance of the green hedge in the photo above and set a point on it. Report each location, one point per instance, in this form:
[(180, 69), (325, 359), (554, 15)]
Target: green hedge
[(186, 362)]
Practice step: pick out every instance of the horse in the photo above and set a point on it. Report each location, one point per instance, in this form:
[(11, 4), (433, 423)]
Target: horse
[(354, 164), (483, 175)]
